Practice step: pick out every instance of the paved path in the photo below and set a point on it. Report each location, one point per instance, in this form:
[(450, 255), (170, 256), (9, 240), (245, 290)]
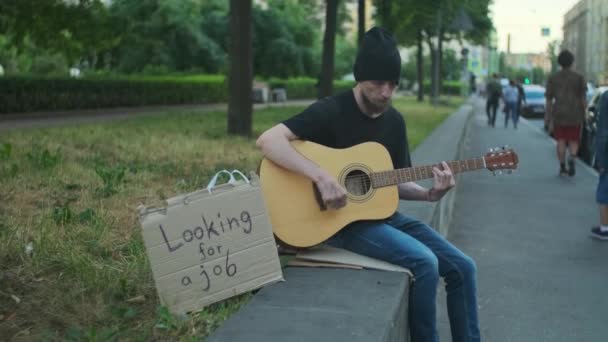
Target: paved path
[(541, 277)]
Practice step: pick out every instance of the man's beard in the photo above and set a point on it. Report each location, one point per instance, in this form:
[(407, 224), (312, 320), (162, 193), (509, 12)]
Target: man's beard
[(372, 107)]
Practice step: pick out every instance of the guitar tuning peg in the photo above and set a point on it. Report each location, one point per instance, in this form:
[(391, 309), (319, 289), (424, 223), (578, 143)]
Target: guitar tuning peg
[(506, 147)]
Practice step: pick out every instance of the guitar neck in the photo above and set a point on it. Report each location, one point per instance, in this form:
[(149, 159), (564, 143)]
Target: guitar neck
[(412, 174)]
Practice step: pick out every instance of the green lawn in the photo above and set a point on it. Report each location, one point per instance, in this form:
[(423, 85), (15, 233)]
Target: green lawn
[(68, 196)]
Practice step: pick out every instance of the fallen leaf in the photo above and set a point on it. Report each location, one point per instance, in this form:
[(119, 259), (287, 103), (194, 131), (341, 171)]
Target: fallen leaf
[(16, 299), (39, 280), (138, 299)]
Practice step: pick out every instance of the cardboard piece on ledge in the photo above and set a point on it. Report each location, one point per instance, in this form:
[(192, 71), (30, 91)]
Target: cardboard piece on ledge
[(327, 256), (305, 263)]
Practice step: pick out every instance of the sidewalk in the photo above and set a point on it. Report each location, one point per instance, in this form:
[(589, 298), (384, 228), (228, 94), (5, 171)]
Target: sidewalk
[(540, 276), (62, 118)]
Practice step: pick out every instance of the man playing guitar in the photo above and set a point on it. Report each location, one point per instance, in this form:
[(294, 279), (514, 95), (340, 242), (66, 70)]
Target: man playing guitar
[(365, 114)]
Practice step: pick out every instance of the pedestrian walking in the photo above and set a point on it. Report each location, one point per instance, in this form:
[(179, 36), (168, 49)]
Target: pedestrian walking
[(494, 93), (601, 153), (511, 99), (566, 102), (522, 96)]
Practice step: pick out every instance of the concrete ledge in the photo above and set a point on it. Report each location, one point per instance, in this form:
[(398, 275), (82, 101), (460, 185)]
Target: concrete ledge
[(317, 304)]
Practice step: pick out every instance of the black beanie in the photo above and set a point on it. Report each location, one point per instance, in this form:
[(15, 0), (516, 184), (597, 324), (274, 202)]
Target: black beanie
[(378, 58)]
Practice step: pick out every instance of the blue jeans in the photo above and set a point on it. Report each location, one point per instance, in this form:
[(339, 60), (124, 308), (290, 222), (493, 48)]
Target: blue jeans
[(513, 112), (407, 242)]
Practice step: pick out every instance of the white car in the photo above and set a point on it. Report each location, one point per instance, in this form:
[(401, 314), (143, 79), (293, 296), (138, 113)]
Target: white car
[(535, 101)]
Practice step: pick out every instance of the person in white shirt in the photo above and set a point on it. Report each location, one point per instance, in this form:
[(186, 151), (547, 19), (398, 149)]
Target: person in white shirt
[(511, 98)]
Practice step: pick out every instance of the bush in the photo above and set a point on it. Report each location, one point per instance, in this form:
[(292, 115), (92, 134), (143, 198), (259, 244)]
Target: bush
[(305, 87), (448, 88), (26, 94), (106, 90)]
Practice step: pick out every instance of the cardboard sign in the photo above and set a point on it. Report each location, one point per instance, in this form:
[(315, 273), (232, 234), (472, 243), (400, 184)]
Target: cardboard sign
[(210, 245)]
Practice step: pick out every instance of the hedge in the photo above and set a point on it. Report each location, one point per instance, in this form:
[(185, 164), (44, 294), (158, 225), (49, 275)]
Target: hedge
[(448, 88), (28, 94), (304, 87), (24, 94)]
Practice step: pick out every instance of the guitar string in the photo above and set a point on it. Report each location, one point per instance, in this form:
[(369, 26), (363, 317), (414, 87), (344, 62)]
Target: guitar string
[(363, 182), (408, 172), (464, 164)]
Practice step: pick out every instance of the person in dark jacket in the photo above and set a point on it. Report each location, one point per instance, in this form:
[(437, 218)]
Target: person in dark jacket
[(601, 153), (522, 95), (494, 93)]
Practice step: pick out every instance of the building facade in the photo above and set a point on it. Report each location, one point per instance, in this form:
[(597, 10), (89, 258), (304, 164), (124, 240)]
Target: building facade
[(585, 32), (529, 61)]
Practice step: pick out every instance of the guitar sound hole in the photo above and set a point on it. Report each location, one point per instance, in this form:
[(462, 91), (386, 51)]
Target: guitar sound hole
[(357, 183)]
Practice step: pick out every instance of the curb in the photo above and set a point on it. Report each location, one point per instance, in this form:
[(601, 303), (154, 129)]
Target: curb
[(445, 143)]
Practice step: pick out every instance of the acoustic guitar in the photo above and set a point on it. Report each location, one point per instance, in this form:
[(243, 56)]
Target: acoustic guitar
[(297, 213)]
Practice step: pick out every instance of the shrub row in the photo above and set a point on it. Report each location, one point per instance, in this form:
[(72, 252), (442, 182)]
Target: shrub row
[(41, 94), (29, 94), (305, 88), (448, 88)]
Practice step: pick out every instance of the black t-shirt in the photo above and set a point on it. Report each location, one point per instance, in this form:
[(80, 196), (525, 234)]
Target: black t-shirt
[(337, 122)]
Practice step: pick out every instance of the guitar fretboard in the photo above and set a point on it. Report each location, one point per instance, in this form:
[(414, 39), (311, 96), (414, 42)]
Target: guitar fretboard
[(412, 174)]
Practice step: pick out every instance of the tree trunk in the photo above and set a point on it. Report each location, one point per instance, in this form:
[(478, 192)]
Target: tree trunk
[(329, 42), (240, 107), (440, 61), (420, 67), (433, 53), (383, 13), (361, 22)]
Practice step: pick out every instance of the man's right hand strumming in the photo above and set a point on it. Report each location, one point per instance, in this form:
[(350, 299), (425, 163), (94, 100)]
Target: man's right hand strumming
[(332, 193)]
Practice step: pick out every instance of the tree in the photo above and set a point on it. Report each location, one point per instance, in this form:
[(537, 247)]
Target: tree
[(346, 52), (240, 106), (552, 52), (538, 75), (329, 41), (361, 22), (168, 34), (410, 21), (75, 29), (431, 21), (420, 65)]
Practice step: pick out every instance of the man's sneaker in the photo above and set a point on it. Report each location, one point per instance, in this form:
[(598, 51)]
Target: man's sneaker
[(597, 233), (562, 170), (571, 169)]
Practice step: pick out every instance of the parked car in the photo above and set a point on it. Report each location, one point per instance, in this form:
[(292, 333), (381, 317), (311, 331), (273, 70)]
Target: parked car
[(586, 150), (535, 101), (591, 90)]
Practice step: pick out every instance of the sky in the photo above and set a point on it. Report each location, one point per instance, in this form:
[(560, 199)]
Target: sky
[(523, 19)]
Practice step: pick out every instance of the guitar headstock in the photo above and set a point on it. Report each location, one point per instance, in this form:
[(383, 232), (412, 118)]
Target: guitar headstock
[(501, 158)]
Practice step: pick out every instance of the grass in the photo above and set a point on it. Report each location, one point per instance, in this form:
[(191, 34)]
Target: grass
[(72, 261)]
